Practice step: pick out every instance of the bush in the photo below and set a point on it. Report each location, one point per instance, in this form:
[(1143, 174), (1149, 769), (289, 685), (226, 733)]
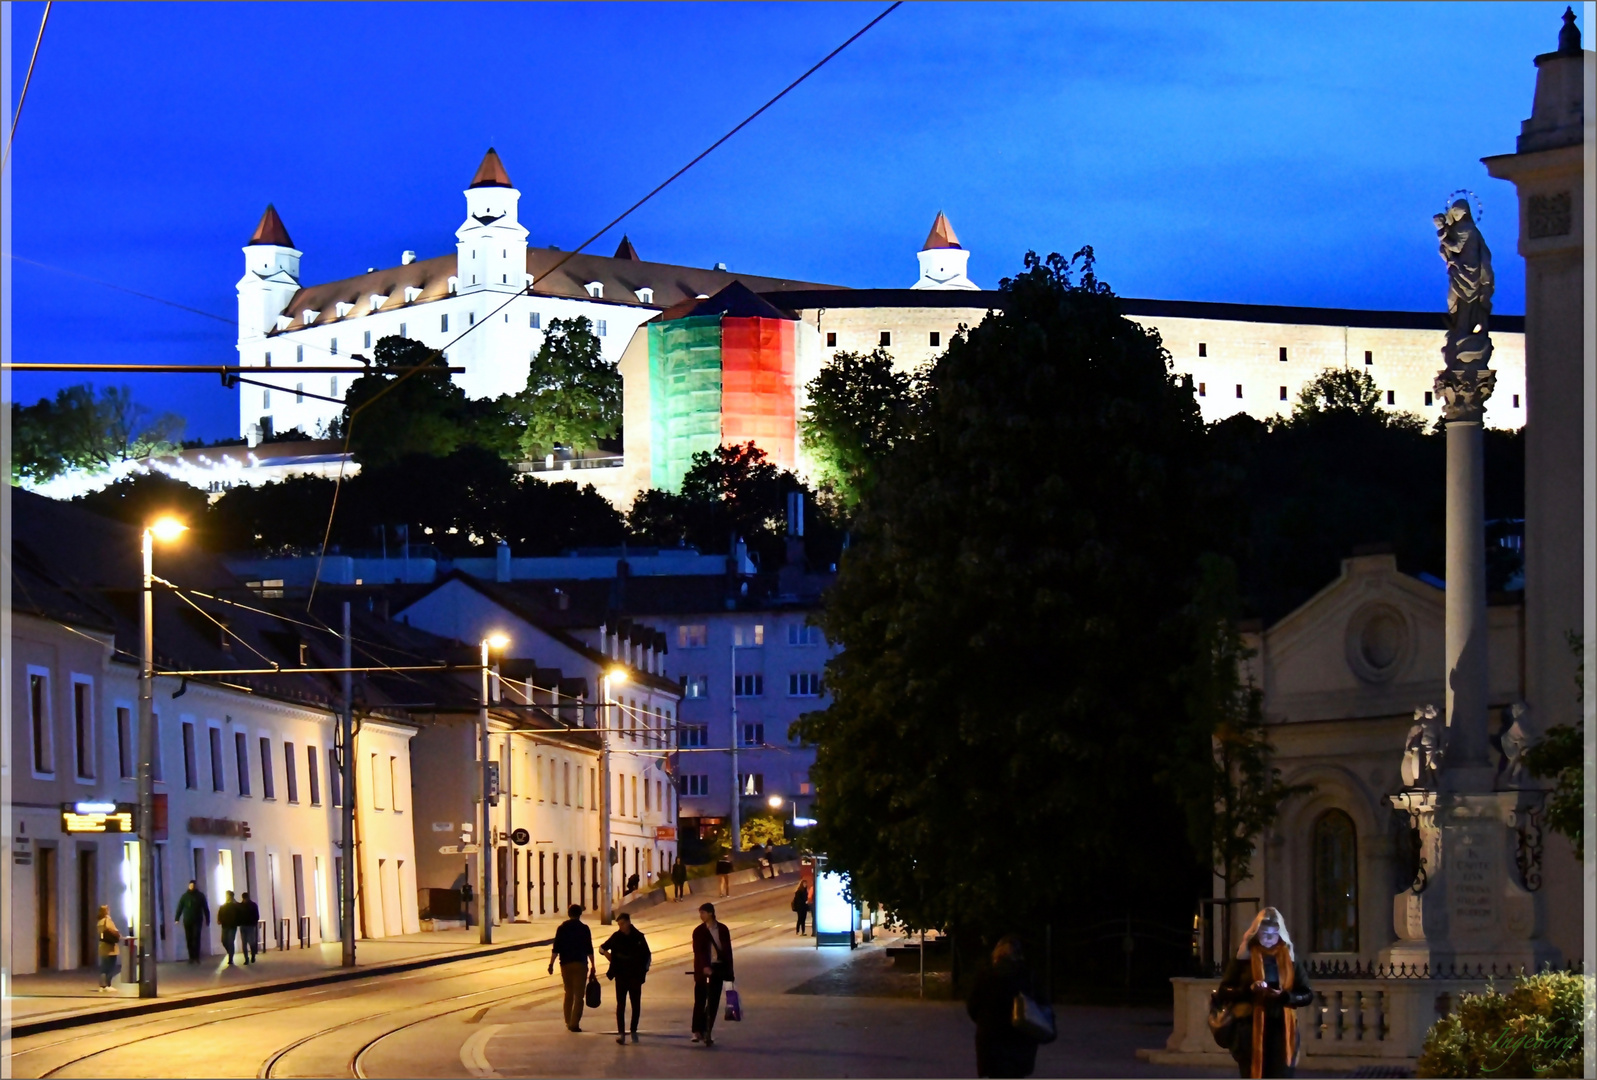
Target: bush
[(1533, 1030)]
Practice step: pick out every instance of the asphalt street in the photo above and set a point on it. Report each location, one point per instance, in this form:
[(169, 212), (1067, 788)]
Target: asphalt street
[(500, 1016)]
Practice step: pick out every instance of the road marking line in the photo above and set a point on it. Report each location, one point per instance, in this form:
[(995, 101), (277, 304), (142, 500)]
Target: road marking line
[(473, 1052)]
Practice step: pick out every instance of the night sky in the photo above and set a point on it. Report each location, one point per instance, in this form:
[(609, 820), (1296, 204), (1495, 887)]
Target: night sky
[(1263, 153)]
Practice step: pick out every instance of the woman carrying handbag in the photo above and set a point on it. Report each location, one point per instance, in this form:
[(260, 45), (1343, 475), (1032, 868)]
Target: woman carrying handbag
[(1264, 986), (110, 940), (712, 967)]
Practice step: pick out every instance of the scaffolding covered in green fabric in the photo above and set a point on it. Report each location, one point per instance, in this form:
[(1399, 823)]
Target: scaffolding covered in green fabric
[(684, 395)]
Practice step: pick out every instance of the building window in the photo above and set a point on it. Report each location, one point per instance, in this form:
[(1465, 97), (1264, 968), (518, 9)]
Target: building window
[(1203, 389), (1516, 401), (1283, 354), (191, 768), (1427, 397), (745, 637), (268, 359), (753, 735), (752, 783), (332, 347), (377, 790), (218, 768), (1391, 397), (335, 779), (368, 341), (313, 773), (299, 354), (83, 729), (394, 786), (695, 686), (1239, 389), (333, 387), (803, 634), (125, 754), (1283, 393), (443, 324), (268, 777), (695, 784), (1369, 357), (535, 320), (1336, 884), (291, 770), (595, 289), (645, 296), (299, 393), (749, 686), (831, 340), (241, 758), (471, 318), (1203, 348), (804, 684), (693, 636), (693, 735), (886, 338), (266, 399), (565, 780), (934, 338), (402, 325), (603, 328), (39, 717)]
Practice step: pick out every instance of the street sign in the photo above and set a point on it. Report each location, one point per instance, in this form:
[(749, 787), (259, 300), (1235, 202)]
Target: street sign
[(521, 837), (493, 783), (458, 849)]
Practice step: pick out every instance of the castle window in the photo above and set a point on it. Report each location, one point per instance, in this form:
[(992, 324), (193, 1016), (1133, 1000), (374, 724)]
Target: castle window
[(1239, 389), (368, 339), (831, 341), (402, 330), (1283, 393), (595, 289), (411, 293), (535, 320), (886, 339), (603, 328), (454, 284), (334, 391), (1203, 348), (332, 347), (1391, 397), (299, 393), (471, 318), (645, 296), (443, 324), (299, 354), (1336, 883), (935, 339), (1427, 397), (1516, 401), (1283, 354), (375, 302), (1203, 389), (268, 359), (342, 308), (309, 316), (1369, 357), (266, 399)]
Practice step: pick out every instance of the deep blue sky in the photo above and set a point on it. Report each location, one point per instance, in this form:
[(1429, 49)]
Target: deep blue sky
[(1267, 153)]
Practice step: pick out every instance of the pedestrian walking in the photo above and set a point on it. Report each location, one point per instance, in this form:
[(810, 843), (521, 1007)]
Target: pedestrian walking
[(194, 912), (723, 870), (632, 884), (573, 948), (110, 941), (1002, 1049), (1265, 986), (712, 967), (628, 952), (679, 877), (228, 917), (250, 927), (801, 907)]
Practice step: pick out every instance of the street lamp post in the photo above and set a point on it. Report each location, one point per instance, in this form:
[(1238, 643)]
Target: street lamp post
[(602, 720), (162, 529), (737, 784), (485, 848)]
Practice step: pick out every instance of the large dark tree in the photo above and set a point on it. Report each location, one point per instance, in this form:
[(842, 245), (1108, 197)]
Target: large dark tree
[(398, 414), (1017, 627), (545, 519), (573, 394), (139, 500), (78, 430)]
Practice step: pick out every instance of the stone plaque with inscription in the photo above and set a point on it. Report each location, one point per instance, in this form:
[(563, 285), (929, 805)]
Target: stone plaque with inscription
[(1473, 877)]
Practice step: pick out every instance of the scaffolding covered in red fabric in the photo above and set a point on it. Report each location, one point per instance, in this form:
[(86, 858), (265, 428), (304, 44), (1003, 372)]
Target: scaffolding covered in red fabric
[(757, 394)]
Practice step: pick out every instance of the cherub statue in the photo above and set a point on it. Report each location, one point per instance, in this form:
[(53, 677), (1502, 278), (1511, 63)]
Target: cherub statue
[(1422, 750), (1511, 742)]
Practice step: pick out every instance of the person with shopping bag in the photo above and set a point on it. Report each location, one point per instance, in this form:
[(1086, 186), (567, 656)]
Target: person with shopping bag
[(110, 941), (573, 948), (712, 968), (628, 952)]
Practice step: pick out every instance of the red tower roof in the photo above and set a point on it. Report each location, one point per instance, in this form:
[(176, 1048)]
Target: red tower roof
[(941, 236), (625, 250), (491, 173), (270, 230)]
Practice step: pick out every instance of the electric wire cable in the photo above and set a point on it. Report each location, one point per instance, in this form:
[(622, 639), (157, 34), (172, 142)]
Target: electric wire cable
[(27, 80)]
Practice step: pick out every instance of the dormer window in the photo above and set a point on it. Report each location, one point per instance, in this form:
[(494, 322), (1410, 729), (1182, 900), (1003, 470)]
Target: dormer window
[(376, 300), (595, 289), (284, 322), (645, 296), (412, 293), (342, 309), (454, 284), (309, 316)]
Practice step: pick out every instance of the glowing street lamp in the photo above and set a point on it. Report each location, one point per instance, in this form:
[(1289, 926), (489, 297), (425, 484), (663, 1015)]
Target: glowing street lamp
[(165, 529), (774, 802)]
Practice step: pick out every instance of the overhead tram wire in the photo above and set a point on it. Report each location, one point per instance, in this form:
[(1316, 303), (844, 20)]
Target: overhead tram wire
[(350, 422), (22, 97)]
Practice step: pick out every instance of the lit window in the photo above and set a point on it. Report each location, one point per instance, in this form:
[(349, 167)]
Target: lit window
[(1203, 390), (694, 636), (745, 637), (752, 783)]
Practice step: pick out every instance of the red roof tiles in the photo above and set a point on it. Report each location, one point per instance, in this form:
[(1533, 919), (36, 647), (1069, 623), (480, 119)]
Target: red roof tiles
[(271, 230), (941, 236), (491, 173)]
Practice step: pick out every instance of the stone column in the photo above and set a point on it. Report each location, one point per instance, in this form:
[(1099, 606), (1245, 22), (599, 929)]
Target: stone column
[(1464, 403)]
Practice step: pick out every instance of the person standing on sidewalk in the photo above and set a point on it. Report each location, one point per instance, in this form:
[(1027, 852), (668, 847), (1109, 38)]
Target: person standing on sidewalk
[(573, 948), (250, 926), (194, 912), (628, 952), (110, 939), (801, 907), (1002, 1049), (723, 870), (228, 917), (679, 877), (712, 966)]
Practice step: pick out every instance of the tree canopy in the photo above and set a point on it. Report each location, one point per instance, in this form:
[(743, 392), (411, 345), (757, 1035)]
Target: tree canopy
[(573, 394), (860, 408), (1015, 622), (79, 430)]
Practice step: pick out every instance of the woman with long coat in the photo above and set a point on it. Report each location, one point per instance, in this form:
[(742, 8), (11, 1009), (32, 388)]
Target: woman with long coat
[(1002, 1050), (1265, 985)]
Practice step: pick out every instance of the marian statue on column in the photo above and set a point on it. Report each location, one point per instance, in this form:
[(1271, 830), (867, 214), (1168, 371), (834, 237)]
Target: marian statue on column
[(1465, 381)]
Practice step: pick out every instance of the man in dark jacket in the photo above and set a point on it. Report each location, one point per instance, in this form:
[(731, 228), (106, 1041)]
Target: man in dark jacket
[(194, 912), (712, 966), (250, 927), (679, 877), (801, 906), (228, 917), (573, 947), (1002, 1050), (628, 953)]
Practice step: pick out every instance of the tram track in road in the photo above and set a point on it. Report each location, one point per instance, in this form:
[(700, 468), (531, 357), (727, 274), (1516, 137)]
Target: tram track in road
[(357, 1062)]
